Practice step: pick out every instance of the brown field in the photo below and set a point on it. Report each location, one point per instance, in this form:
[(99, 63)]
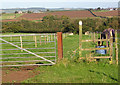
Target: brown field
[(9, 20), (71, 14), (108, 13)]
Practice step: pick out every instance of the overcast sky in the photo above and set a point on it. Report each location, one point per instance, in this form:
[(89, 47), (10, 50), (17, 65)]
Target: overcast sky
[(59, 3), (59, 0)]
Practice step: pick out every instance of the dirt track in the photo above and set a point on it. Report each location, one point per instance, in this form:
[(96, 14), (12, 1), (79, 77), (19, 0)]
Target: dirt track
[(16, 75)]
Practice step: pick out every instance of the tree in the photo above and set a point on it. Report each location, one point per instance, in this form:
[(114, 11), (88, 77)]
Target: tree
[(29, 11), (16, 12), (98, 8), (48, 10), (3, 12)]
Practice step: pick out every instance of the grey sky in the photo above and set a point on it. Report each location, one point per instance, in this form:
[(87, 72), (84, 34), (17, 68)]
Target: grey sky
[(60, 0), (59, 3)]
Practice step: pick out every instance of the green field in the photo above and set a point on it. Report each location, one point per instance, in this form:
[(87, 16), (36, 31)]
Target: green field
[(73, 70), (10, 16), (100, 10), (70, 71)]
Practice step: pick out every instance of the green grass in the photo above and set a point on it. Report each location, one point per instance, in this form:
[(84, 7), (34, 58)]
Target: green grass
[(69, 70), (10, 16), (100, 10), (76, 73)]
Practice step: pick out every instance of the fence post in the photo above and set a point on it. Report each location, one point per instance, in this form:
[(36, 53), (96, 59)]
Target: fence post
[(21, 43), (35, 42), (111, 49), (116, 48), (80, 38), (60, 45), (107, 42)]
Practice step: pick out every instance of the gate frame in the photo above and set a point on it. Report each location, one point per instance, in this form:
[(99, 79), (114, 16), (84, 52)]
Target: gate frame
[(29, 52), (94, 40)]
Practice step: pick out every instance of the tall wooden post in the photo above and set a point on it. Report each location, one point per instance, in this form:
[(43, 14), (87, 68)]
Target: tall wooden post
[(35, 42), (116, 46), (111, 49), (80, 38), (60, 45), (107, 42), (21, 43)]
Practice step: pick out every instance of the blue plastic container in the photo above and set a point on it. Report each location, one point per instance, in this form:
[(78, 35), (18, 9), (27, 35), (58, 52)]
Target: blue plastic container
[(100, 51)]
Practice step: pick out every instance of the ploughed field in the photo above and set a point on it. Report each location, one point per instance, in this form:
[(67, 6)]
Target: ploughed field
[(71, 14), (107, 13)]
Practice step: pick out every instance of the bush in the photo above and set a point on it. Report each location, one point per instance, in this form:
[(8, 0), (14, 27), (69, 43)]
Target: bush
[(57, 24)]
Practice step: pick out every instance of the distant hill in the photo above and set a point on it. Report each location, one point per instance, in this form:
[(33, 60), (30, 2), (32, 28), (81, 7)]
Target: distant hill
[(33, 9), (38, 9)]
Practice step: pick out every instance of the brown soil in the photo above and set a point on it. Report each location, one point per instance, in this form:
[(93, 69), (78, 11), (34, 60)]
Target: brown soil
[(71, 14), (10, 20), (18, 74), (108, 13)]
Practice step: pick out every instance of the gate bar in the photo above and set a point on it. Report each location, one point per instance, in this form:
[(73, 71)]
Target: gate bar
[(27, 51)]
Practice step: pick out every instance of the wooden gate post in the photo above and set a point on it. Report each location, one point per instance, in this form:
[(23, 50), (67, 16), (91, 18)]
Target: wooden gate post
[(80, 38), (60, 45), (21, 43), (111, 49), (116, 47), (107, 42), (35, 42)]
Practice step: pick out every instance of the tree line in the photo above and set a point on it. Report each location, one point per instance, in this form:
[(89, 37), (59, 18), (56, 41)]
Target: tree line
[(52, 24)]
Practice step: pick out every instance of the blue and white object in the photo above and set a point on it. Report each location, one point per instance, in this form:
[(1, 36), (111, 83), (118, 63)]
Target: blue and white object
[(101, 51)]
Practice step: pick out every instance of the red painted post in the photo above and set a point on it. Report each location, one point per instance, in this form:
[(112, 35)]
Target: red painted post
[(60, 45)]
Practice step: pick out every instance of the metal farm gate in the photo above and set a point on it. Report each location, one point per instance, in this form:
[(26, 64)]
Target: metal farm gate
[(28, 49)]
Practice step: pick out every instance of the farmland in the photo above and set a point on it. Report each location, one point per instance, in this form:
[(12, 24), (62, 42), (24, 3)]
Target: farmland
[(69, 70), (72, 68), (71, 14), (107, 13), (10, 16)]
